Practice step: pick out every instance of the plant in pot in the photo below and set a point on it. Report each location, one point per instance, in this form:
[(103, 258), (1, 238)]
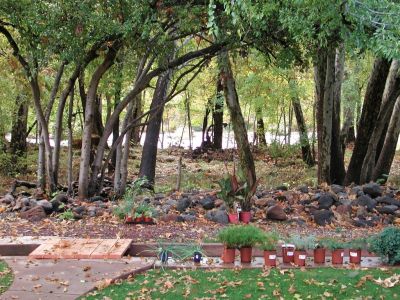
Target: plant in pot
[(227, 237), (287, 252), (355, 248), (387, 245), (337, 249), (227, 194), (246, 237), (269, 244), (319, 252), (302, 244)]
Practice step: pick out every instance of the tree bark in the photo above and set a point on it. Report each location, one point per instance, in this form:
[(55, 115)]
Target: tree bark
[(338, 171), (392, 91), (149, 153), (108, 61), (239, 127), (218, 115), (70, 191), (369, 114), (18, 144), (384, 163)]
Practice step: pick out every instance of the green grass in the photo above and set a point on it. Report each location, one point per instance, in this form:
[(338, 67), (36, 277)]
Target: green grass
[(322, 283), (6, 277)]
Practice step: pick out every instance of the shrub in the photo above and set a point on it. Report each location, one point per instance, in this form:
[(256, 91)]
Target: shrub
[(358, 244), (303, 242), (270, 241), (333, 244), (387, 245), (239, 236)]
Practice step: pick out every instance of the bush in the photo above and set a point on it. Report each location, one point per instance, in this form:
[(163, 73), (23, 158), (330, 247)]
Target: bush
[(303, 242), (11, 165), (387, 245), (333, 244), (239, 236), (270, 241)]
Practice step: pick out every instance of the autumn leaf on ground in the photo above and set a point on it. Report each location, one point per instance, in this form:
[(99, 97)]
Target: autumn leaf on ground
[(247, 296), (388, 282), (363, 280), (292, 289), (102, 284)]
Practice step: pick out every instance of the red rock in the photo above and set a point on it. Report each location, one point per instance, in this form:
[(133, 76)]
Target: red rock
[(169, 218), (36, 213), (261, 202), (344, 209), (276, 213)]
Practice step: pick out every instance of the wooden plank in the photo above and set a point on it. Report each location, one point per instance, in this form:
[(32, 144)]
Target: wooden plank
[(88, 246), (102, 250), (119, 248), (45, 249)]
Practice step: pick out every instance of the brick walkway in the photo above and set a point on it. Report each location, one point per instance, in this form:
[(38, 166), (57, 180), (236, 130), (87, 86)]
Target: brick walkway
[(65, 279)]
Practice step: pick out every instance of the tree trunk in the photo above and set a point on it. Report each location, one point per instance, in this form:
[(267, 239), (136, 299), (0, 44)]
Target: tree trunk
[(138, 111), (205, 140), (149, 153), (19, 128), (83, 188), (238, 124), (338, 171), (70, 150), (301, 125), (218, 115), (347, 134), (260, 129), (392, 91), (382, 167), (370, 111)]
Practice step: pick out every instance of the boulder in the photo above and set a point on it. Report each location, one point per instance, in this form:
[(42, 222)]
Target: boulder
[(325, 201), (387, 209), (34, 214), (366, 201), (48, 207), (63, 198), (186, 218), (169, 218), (373, 189), (92, 211), (276, 213), (323, 217), (263, 202), (363, 223), (344, 209), (96, 198), (303, 188), (219, 202), (7, 199), (182, 204), (337, 188), (207, 203), (217, 216), (388, 200), (171, 202)]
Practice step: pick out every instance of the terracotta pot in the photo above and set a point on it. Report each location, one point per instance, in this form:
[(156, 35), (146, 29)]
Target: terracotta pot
[(233, 218), (299, 258), (270, 258), (148, 219), (245, 216), (287, 253), (129, 219), (319, 255), (228, 256), (337, 256), (355, 256), (138, 219), (245, 255)]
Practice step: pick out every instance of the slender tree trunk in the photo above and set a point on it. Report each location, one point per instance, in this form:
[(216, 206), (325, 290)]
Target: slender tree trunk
[(70, 137), (83, 188), (149, 153), (338, 171), (187, 105), (204, 137), (290, 123), (239, 126), (218, 115), (135, 136), (260, 129), (347, 134), (370, 111), (384, 163), (19, 128), (392, 91), (41, 168)]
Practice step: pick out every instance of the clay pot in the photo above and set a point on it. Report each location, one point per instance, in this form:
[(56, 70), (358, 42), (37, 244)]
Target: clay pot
[(138, 219), (299, 258), (355, 256), (148, 219), (245, 216), (337, 256), (228, 256), (319, 255), (288, 253), (129, 220), (233, 218), (270, 258), (245, 255)]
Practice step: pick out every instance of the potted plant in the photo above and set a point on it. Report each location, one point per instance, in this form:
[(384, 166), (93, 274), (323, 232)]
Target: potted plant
[(302, 244), (226, 236), (269, 244), (387, 245), (355, 248), (287, 252), (227, 194), (148, 215), (319, 252), (246, 237), (337, 249)]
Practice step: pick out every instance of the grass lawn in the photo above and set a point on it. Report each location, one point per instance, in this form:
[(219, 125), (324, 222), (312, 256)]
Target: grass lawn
[(322, 283), (5, 277)]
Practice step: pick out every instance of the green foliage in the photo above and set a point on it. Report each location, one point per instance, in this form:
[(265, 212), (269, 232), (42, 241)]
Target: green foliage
[(238, 236), (303, 242), (358, 244), (387, 245), (66, 215), (333, 244), (269, 241), (12, 165), (6, 277)]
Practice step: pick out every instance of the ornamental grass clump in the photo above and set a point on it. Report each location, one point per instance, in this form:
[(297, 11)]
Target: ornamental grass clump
[(387, 245)]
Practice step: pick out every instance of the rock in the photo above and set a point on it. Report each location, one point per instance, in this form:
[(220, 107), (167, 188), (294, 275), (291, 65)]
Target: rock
[(169, 218), (276, 213), (343, 209), (373, 189), (323, 217), (282, 188), (63, 198), (337, 188), (365, 200), (48, 207), (303, 188), (207, 203), (217, 216), (97, 198), (218, 202), (159, 196), (18, 205), (39, 194), (171, 202), (32, 202), (345, 201), (34, 214), (7, 199), (388, 200), (361, 212), (80, 210), (363, 223), (325, 201), (101, 204), (92, 211), (187, 218), (166, 208), (25, 201), (387, 209), (356, 190), (58, 206), (271, 202), (182, 204), (299, 221), (262, 202)]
